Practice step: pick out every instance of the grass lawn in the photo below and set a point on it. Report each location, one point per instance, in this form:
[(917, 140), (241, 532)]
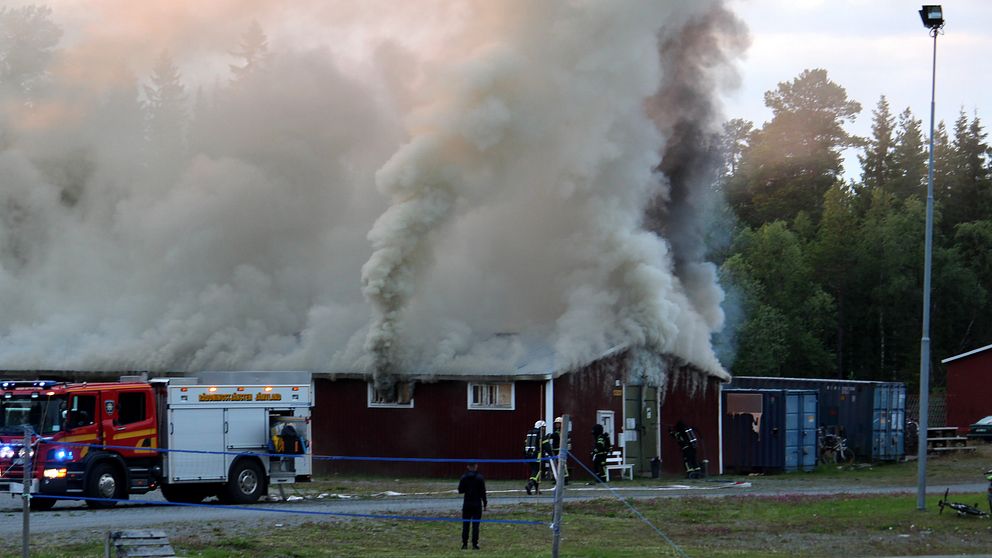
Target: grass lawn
[(731, 526)]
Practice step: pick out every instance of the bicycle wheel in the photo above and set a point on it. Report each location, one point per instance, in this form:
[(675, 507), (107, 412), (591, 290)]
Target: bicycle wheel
[(845, 456)]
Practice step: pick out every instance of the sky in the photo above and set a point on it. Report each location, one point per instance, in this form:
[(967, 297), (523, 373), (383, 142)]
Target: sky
[(871, 48)]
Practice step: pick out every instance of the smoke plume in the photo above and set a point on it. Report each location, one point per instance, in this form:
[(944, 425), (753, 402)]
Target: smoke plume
[(366, 187), (688, 210)]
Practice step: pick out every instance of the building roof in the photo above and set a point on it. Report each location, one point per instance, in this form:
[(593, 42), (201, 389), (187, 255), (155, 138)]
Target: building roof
[(524, 361), (809, 380), (505, 357), (966, 355)]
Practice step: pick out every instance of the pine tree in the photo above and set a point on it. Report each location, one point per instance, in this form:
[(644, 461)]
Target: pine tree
[(877, 162), (909, 159), (253, 52), (833, 259), (890, 256), (795, 158), (972, 242), (166, 110), (28, 37), (964, 194)]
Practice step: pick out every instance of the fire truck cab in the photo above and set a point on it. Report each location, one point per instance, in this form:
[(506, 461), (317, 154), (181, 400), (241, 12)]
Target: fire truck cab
[(104, 441)]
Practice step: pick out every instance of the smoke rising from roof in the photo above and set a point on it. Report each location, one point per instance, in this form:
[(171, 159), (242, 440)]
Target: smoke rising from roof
[(373, 196)]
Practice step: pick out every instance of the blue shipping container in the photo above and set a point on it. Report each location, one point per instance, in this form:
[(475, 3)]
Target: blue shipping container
[(800, 428), (871, 415), (769, 430), (889, 421)]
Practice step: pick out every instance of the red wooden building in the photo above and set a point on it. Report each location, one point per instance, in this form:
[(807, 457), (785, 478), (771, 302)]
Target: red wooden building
[(636, 395), (969, 387)]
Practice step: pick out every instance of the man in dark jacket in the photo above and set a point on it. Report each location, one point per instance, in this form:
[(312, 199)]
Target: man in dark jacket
[(473, 486)]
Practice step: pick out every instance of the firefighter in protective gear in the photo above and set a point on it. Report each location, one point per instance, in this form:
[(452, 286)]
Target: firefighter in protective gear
[(553, 448), (285, 439), (685, 436), (600, 451), (547, 465), (534, 449)]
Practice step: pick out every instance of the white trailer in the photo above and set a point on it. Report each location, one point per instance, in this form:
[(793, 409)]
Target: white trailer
[(233, 439)]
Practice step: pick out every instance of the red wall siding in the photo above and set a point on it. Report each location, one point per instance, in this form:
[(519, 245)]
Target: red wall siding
[(582, 393), (439, 426), (969, 389), (698, 410)]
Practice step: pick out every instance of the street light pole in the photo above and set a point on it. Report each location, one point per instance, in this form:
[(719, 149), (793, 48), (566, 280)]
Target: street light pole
[(933, 18)]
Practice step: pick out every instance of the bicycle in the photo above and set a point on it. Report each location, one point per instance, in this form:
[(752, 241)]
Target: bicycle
[(833, 449), (962, 509)]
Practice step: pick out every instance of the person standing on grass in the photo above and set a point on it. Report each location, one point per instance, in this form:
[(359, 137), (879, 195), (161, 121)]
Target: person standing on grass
[(473, 486)]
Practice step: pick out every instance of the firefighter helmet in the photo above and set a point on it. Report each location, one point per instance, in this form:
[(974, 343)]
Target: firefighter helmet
[(540, 424), (557, 420)]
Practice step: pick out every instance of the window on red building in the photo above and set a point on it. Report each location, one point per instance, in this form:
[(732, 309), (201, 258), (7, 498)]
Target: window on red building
[(491, 396)]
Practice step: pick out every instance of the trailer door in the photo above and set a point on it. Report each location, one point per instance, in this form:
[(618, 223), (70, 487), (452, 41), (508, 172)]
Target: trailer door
[(246, 431), (196, 430)]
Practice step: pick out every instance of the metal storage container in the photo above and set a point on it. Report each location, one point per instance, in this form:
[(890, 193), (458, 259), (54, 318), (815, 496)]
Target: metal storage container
[(769, 429), (889, 421), (871, 415)]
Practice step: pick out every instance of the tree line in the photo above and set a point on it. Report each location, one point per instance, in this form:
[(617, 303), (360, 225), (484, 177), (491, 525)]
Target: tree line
[(826, 275)]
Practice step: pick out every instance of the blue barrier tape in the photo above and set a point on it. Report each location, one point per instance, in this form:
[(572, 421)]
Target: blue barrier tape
[(316, 457), (427, 459), (301, 512)]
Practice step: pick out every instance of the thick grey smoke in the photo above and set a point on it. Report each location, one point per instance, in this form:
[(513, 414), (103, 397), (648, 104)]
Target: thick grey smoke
[(362, 196), (690, 211), (500, 114)]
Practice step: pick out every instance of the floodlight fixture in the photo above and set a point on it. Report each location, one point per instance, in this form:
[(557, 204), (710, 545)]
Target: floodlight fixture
[(932, 16)]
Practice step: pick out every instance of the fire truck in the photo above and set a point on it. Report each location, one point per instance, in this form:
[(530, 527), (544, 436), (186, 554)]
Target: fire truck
[(189, 438)]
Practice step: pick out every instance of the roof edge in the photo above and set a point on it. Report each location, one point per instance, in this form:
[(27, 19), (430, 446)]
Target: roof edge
[(965, 355)]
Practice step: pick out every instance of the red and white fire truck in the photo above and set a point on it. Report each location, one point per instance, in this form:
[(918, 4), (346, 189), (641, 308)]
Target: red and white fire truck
[(187, 437)]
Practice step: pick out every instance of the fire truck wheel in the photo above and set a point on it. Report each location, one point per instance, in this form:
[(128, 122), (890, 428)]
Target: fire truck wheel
[(245, 484), (104, 482), (42, 504)]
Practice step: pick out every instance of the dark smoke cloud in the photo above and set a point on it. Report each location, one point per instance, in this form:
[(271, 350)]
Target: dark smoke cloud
[(687, 110)]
